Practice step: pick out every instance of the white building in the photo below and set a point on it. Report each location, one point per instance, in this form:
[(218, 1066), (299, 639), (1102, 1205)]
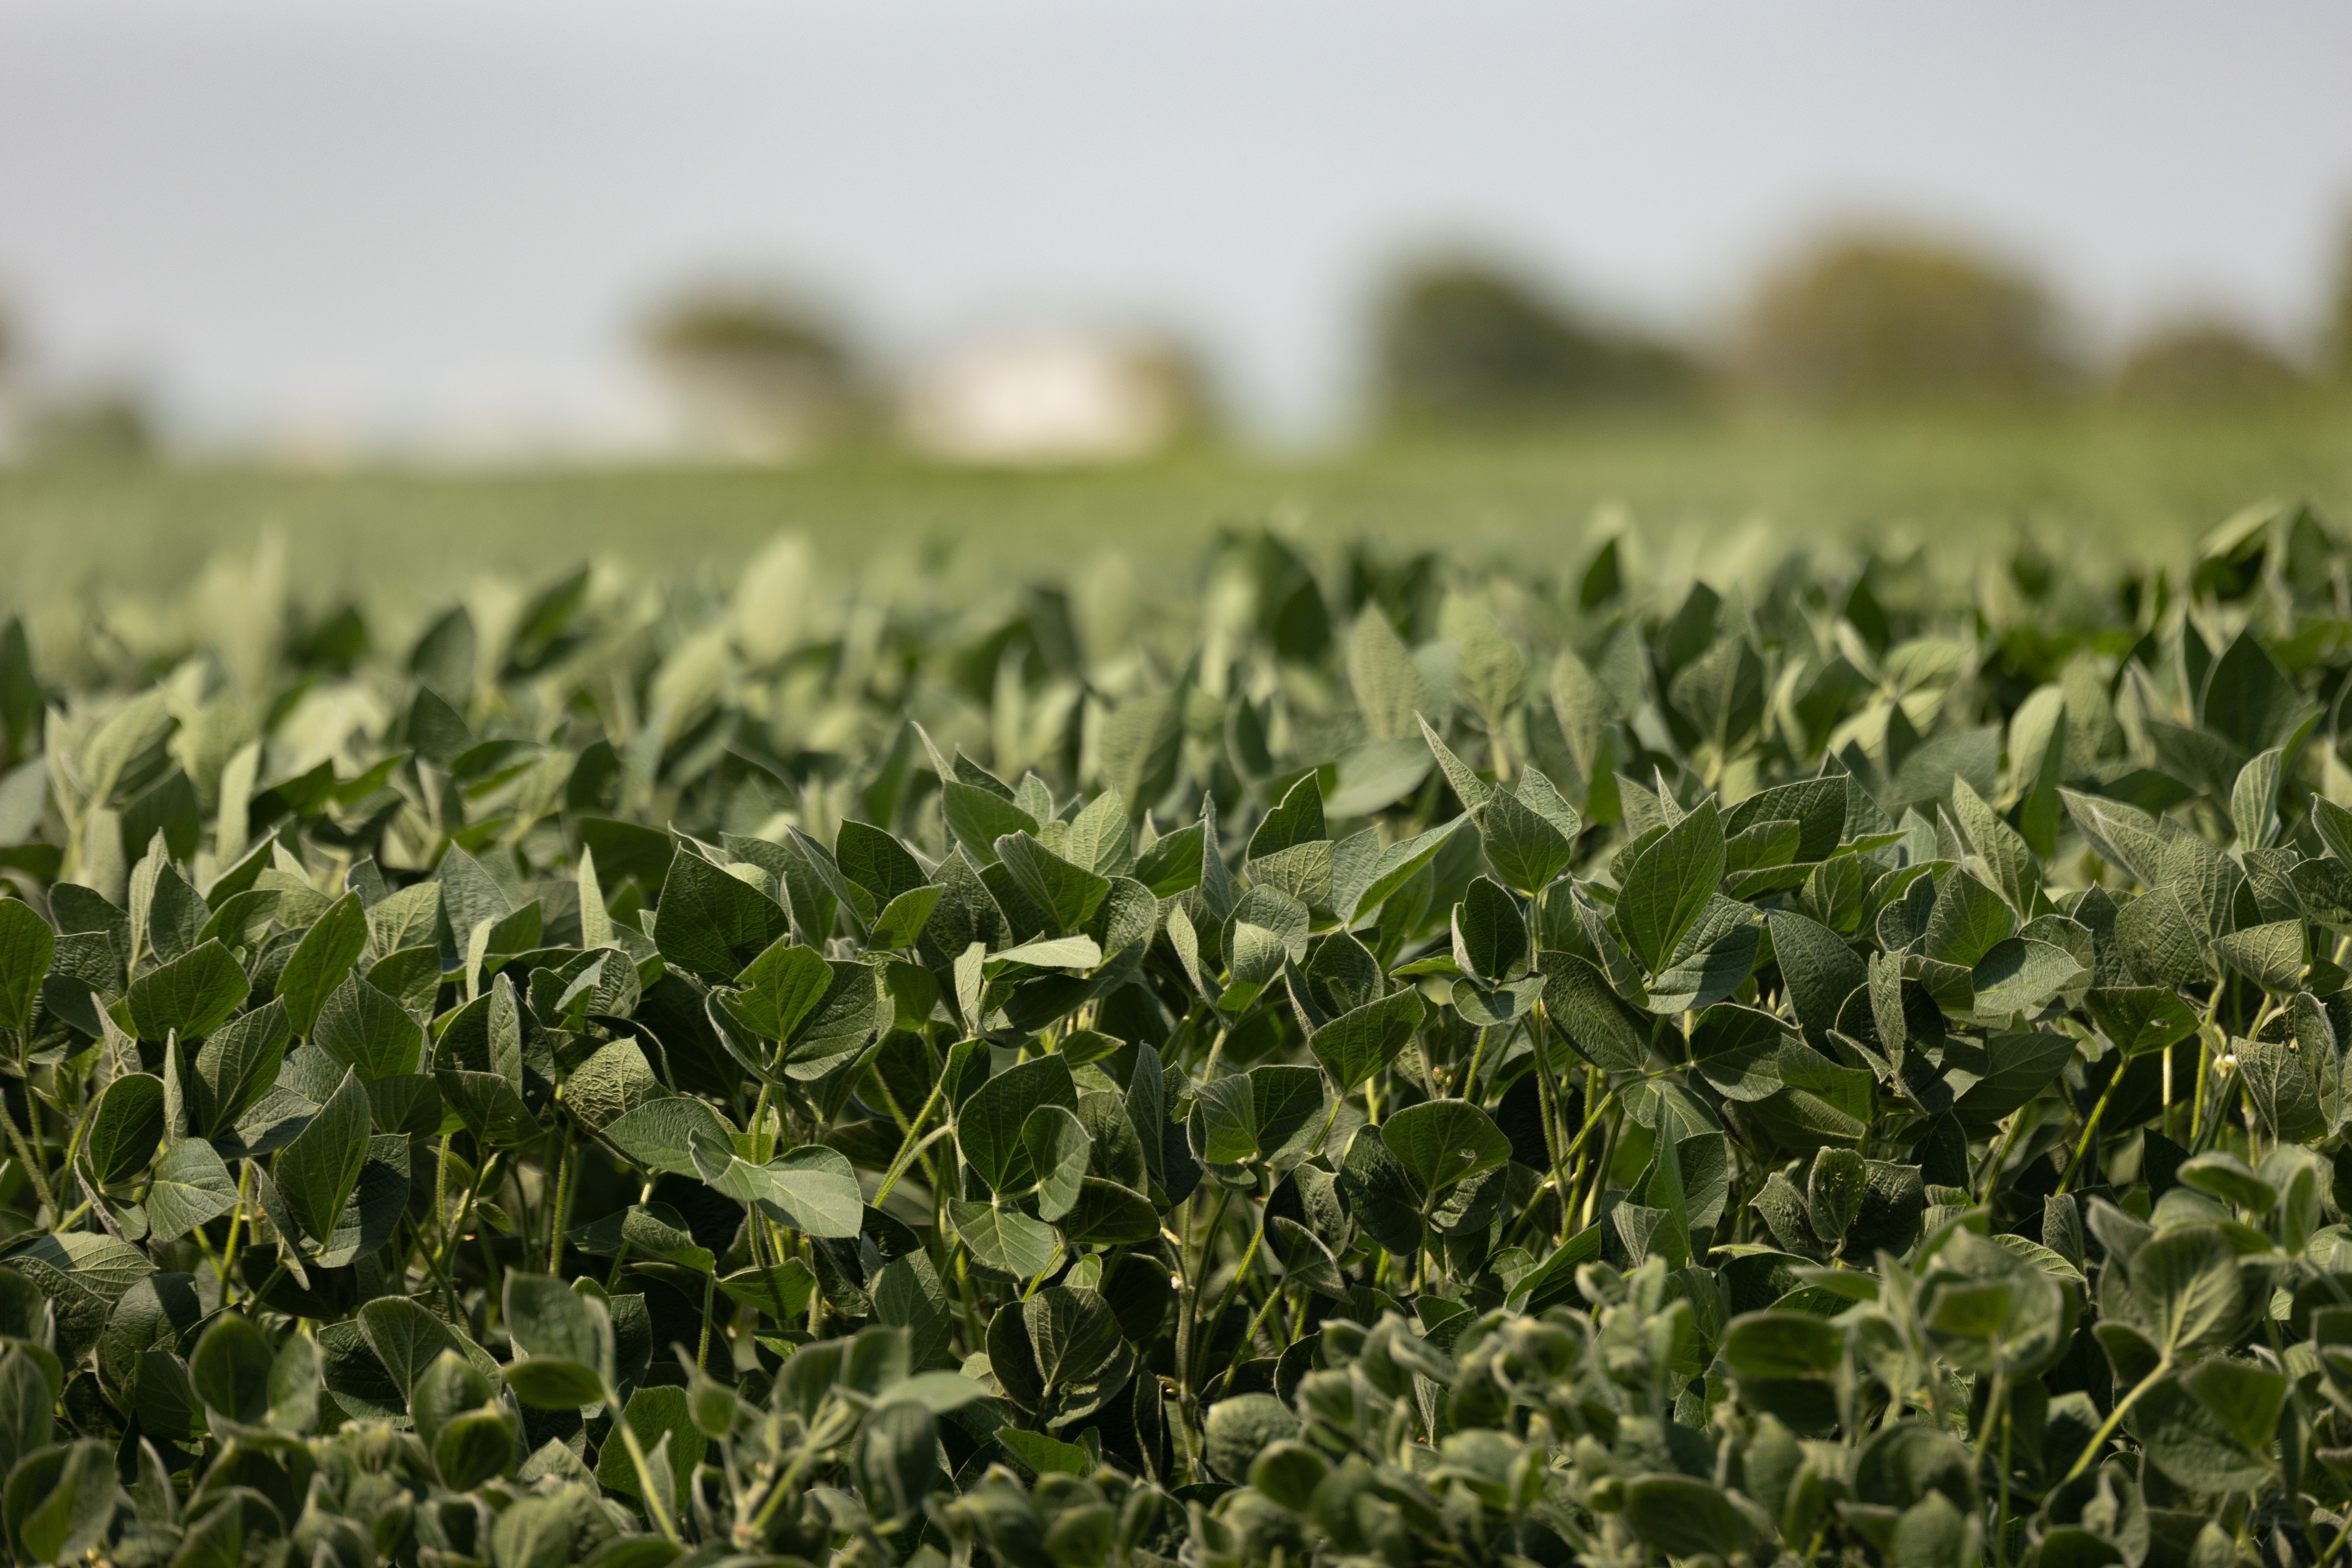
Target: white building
[(1046, 398)]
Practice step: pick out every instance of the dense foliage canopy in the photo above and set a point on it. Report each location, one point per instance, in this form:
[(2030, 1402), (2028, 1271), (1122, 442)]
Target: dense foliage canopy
[(1454, 1070)]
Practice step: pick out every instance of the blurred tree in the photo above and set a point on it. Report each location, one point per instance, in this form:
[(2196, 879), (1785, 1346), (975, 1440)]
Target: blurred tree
[(2204, 365), (2335, 352), (1466, 343), (1884, 319), (107, 426), (763, 378)]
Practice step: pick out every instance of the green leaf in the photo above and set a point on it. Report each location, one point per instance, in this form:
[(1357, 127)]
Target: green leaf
[(230, 1371), (1374, 775), (1359, 1043), (1490, 935), (1580, 1003), (2159, 944), (1004, 1239), (2281, 1090), (2249, 701), (875, 861), (1967, 921), (989, 1125), (192, 1186), (647, 1231), (190, 995), (322, 959), (1391, 692), (1296, 822), (362, 1028), (1379, 1193), (2272, 956), (979, 818), (2016, 871), (1059, 1354), (815, 1189), (59, 1501), (2253, 800), (2140, 1019), (1055, 952), (1240, 1429), (318, 1170), (1471, 790), (902, 921), (662, 1421), (2324, 889), (2189, 1442), (488, 1106), (1820, 969), (1669, 884), (2020, 975), (1045, 1456), (1371, 884), (127, 1127), (2186, 1290), (712, 922), (1256, 1115), (658, 1134), (1684, 1516), (1068, 894), (406, 1338), (1442, 1142), (26, 1422), (1737, 1050), (26, 943), (1777, 1346), (1058, 1147), (552, 1321), (1109, 1214), (1833, 1193), (780, 988)]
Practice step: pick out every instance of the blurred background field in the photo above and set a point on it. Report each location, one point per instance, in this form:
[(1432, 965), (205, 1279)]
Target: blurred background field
[(2117, 488)]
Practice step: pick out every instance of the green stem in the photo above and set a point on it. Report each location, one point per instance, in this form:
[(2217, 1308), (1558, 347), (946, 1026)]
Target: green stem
[(1188, 1324), (1233, 1285), (32, 1167), (565, 1169), (1994, 1164), (235, 1212), (2114, 1418), (2091, 1127), (907, 1146), (661, 1516)]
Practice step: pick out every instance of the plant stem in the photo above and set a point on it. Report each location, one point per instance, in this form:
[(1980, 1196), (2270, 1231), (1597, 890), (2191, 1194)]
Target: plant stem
[(907, 1148), (1233, 1285), (2091, 1127), (661, 1516), (2114, 1418), (564, 1172), (32, 1167)]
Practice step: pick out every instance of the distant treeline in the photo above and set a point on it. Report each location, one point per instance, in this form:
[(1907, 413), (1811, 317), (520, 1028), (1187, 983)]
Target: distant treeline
[(1856, 320)]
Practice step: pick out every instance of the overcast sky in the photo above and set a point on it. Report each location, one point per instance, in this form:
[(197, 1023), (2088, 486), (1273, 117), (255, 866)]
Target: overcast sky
[(417, 213)]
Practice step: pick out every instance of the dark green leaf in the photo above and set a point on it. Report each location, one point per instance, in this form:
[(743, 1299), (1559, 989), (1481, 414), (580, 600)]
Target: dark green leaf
[(1441, 1141), (711, 921), (323, 961), (1669, 883), (190, 995), (26, 943), (362, 1028), (127, 1127)]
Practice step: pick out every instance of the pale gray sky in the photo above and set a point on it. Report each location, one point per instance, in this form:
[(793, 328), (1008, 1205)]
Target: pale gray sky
[(408, 215)]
